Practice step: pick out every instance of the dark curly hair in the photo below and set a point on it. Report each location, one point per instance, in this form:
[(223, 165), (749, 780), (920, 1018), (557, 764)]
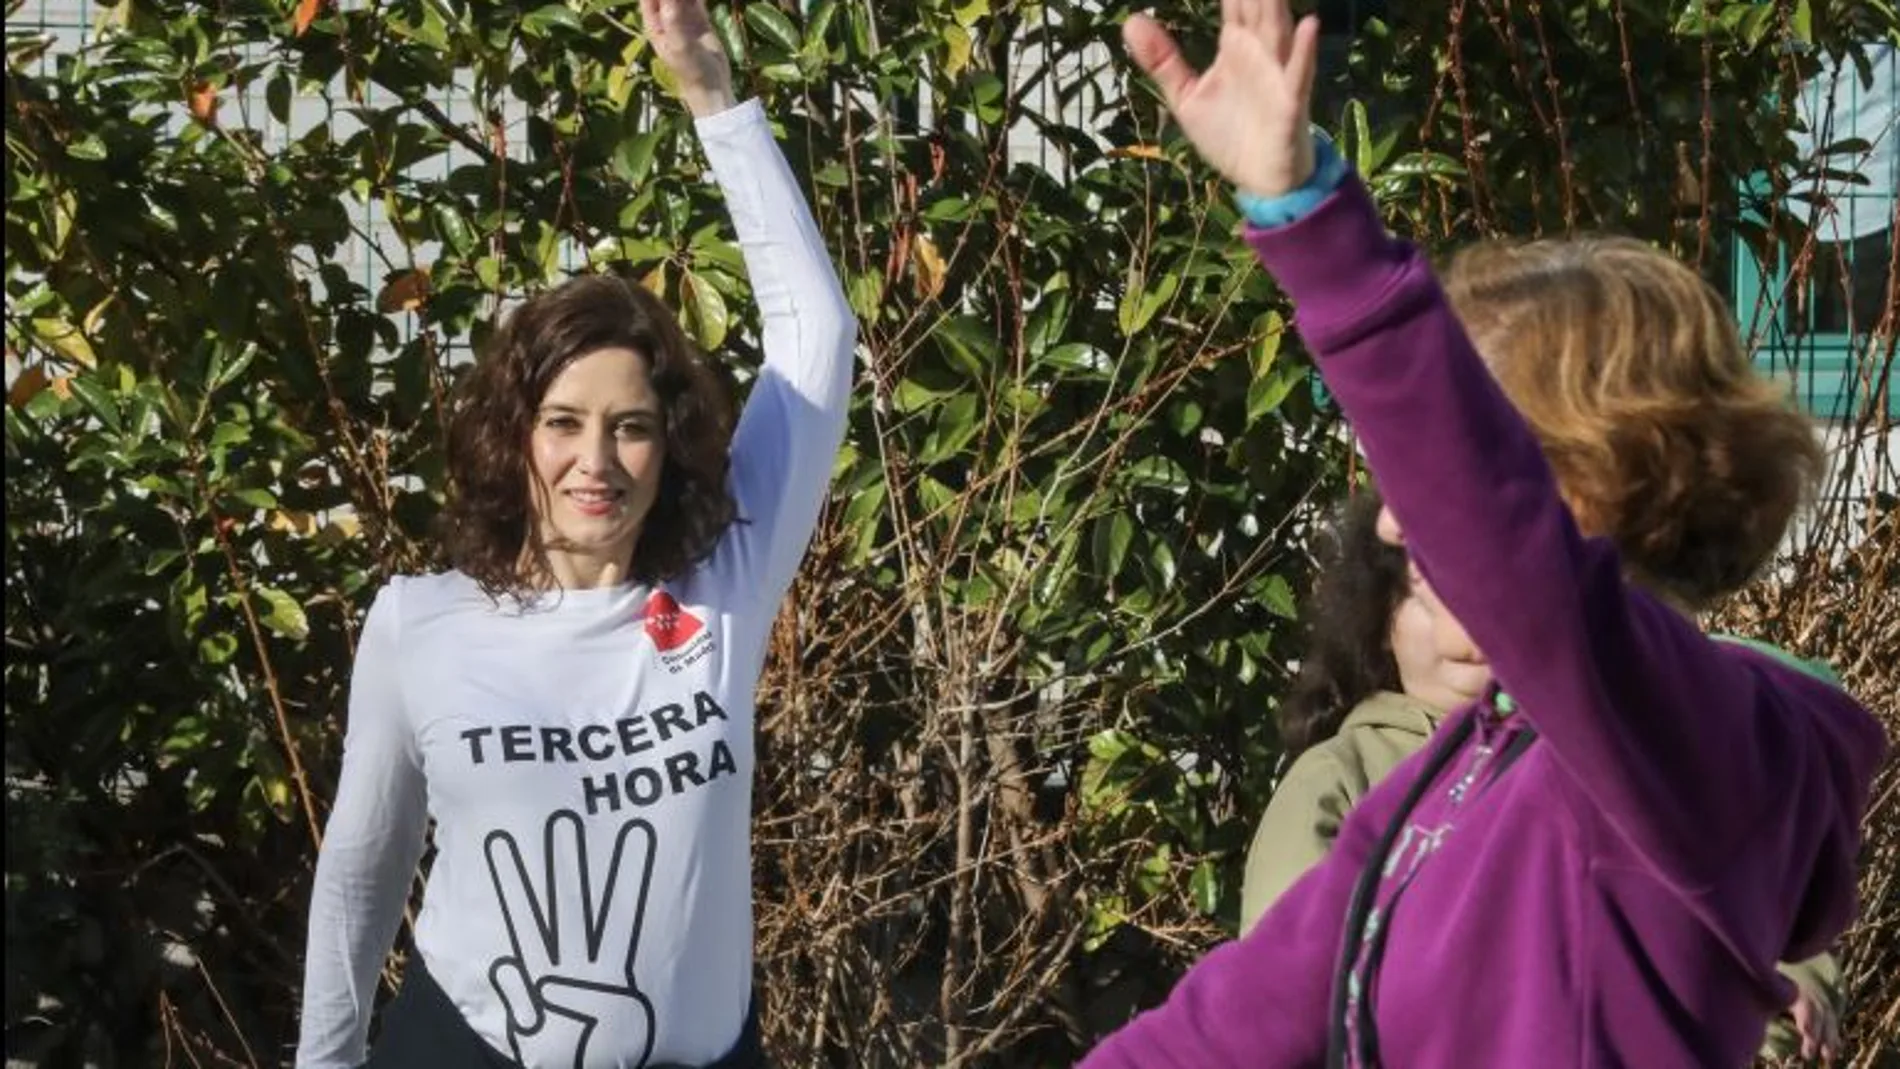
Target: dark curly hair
[(1628, 368), (486, 528), (1348, 626)]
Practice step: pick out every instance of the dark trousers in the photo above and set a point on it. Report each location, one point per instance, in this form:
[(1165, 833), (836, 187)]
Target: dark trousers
[(422, 1029)]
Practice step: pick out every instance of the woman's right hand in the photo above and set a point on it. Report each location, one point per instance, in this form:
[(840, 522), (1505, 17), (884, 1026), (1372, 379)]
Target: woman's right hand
[(1247, 114), (684, 39), (1817, 1025)]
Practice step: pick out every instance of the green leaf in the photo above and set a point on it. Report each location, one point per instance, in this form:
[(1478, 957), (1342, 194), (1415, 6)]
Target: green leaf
[(969, 344), (277, 97), (987, 97), (541, 20), (1360, 129), (1271, 383), (863, 29), (956, 424), (730, 38), (65, 339), (256, 497), (818, 24), (1152, 877), (1758, 21), (224, 372), (1265, 394), (1803, 22), (1204, 888), (1108, 746), (282, 615), (705, 311), (1161, 556), (218, 648), (957, 48), (1427, 164), (1277, 595), (1184, 416), (1139, 304), (769, 22), (98, 399), (633, 157), (1113, 533), (952, 209), (1107, 914), (866, 507), (89, 147), (229, 434), (936, 497), (866, 294), (913, 395), (1048, 321), (453, 229), (1158, 472), (1077, 356)]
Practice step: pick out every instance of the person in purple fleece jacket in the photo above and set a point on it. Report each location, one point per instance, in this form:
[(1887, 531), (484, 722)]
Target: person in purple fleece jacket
[(1603, 867)]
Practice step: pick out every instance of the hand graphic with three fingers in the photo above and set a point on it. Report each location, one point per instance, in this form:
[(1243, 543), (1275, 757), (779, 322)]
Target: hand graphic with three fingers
[(569, 985)]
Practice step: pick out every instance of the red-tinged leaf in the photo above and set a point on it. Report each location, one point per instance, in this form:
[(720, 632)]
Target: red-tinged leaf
[(307, 11), (31, 381), (404, 292), (203, 99)]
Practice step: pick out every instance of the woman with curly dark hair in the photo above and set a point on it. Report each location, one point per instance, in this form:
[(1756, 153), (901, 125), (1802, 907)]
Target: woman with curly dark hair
[(572, 704), (1347, 621), (1373, 686)]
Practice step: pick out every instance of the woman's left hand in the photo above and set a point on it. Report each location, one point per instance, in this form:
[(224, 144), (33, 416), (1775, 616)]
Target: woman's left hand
[(1247, 113), (683, 37)]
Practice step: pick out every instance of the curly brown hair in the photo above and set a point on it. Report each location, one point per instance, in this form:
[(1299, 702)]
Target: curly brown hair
[(1628, 367), (486, 529)]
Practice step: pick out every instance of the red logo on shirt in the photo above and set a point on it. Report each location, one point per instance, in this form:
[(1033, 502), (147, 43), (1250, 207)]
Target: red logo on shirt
[(668, 625)]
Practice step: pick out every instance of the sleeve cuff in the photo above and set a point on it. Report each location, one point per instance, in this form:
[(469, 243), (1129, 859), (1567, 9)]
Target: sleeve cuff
[(1329, 170), (739, 116), (1334, 263)]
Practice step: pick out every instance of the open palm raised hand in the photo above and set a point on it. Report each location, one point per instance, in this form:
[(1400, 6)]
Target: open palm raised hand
[(1246, 113), (683, 37)]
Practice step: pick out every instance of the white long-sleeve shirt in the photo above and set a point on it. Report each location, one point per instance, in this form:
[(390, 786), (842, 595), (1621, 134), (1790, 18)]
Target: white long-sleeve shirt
[(588, 761)]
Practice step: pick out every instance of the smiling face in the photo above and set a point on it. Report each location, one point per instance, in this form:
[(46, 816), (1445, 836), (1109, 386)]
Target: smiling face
[(596, 454)]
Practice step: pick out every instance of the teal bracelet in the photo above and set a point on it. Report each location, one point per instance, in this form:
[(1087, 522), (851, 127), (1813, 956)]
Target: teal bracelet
[(1329, 170)]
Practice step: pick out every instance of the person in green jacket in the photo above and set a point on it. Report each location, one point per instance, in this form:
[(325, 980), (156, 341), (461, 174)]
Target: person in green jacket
[(1373, 685), (1371, 689)]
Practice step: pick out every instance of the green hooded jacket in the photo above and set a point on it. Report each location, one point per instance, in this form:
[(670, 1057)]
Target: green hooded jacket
[(1325, 782)]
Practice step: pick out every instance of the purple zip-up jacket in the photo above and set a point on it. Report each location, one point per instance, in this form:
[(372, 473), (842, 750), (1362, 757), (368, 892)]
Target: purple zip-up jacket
[(1688, 815)]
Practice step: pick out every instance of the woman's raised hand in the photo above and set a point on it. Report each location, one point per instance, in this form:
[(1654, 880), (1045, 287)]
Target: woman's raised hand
[(1247, 114), (683, 37)]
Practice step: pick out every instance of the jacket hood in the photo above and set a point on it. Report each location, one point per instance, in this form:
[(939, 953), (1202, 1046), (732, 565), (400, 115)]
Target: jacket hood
[(1820, 670), (1389, 711), (1851, 745)]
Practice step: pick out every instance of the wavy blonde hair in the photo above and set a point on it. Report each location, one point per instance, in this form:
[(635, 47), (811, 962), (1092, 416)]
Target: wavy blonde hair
[(1629, 369)]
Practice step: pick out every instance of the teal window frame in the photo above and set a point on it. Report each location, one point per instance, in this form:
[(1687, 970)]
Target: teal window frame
[(1834, 376), (1831, 375)]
